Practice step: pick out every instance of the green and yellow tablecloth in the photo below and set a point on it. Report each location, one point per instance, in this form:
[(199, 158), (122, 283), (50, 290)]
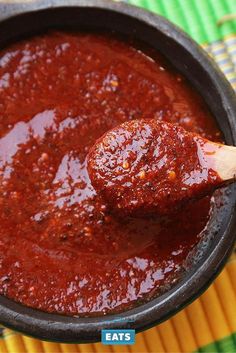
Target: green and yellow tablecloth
[(209, 323)]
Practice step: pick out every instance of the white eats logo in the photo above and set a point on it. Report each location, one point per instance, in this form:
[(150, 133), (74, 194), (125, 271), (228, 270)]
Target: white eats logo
[(119, 336)]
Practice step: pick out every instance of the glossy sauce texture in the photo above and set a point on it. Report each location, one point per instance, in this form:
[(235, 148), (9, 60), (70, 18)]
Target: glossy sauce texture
[(60, 249), (147, 167)]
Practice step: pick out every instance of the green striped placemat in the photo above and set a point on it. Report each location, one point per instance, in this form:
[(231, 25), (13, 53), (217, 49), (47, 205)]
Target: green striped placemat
[(212, 23)]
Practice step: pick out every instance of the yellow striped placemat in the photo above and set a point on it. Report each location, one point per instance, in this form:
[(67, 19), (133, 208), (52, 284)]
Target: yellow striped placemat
[(224, 53)]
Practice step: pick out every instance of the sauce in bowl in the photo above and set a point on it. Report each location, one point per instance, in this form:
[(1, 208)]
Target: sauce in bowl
[(61, 250)]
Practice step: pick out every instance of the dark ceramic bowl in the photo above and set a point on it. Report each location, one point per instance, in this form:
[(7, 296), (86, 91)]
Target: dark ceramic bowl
[(21, 20)]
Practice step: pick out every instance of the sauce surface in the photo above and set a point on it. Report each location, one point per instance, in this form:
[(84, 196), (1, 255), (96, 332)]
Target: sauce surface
[(143, 167), (60, 248)]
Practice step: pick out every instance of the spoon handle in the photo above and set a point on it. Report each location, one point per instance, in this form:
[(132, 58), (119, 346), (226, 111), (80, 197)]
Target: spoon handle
[(225, 162)]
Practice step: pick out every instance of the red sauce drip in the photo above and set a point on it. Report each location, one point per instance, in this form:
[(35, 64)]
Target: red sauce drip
[(60, 249), (144, 167)]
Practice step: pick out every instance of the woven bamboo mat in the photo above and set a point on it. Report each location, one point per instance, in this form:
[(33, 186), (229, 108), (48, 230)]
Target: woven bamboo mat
[(209, 323)]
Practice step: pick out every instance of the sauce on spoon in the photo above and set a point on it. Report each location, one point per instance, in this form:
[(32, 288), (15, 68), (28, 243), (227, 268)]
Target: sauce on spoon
[(146, 166)]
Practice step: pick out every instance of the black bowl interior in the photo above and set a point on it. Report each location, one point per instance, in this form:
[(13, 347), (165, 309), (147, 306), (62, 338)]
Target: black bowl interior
[(17, 21)]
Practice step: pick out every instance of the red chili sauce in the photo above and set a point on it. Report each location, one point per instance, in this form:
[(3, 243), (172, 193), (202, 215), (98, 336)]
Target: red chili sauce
[(60, 248), (143, 167)]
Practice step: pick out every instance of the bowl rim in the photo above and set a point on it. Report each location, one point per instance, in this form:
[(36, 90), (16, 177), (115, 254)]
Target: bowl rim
[(69, 329)]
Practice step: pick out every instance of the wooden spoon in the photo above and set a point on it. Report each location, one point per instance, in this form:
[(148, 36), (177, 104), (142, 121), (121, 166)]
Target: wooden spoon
[(146, 167)]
